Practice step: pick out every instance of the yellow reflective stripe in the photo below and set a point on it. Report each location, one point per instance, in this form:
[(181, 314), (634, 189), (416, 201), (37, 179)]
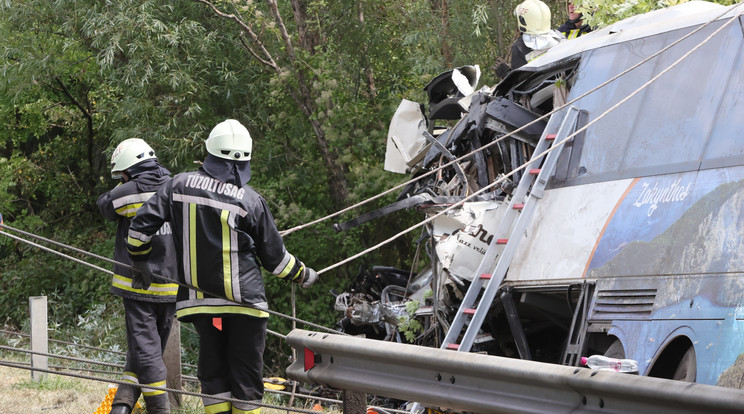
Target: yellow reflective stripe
[(128, 376), (142, 253), (128, 210), (239, 411), (192, 247), (287, 268), (150, 392), (215, 310), (573, 34), (217, 408), (226, 263), (135, 242), (160, 289), (298, 274)]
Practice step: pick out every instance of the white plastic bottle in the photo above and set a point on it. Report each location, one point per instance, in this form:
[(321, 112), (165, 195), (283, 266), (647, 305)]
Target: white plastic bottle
[(603, 363)]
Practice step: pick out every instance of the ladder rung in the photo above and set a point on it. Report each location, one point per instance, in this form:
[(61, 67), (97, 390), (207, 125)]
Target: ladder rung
[(453, 346), (518, 206), (502, 241), (535, 171), (485, 276), (550, 137), (469, 311)]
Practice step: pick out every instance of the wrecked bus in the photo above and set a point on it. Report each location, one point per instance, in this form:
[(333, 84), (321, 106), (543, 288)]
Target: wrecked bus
[(635, 249)]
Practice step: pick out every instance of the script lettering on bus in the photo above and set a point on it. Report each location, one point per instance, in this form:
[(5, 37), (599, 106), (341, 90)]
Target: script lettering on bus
[(653, 196)]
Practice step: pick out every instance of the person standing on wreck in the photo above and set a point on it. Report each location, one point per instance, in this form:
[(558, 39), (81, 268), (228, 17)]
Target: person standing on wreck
[(222, 229), (536, 36)]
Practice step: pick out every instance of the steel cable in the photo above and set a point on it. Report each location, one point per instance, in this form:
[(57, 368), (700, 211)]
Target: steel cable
[(172, 390), (503, 178), (159, 277), (25, 335), (28, 367)]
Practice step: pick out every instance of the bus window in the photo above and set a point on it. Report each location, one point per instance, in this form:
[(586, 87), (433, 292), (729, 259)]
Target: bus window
[(726, 146), (606, 141), (678, 110)]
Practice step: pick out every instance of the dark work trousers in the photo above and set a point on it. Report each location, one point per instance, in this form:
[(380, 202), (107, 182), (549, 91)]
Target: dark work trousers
[(231, 361), (148, 327)]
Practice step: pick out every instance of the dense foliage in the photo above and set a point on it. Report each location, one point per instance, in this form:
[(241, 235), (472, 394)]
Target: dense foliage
[(315, 81)]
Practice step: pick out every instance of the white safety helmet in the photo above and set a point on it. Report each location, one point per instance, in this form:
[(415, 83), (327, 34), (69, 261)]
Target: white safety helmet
[(129, 152), (230, 140), (533, 17)]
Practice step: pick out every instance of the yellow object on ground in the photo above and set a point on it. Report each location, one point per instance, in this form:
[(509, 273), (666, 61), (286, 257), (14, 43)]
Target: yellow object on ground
[(275, 383), (105, 407)]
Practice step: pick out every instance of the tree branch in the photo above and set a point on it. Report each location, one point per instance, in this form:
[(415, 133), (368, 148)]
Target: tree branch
[(268, 59)]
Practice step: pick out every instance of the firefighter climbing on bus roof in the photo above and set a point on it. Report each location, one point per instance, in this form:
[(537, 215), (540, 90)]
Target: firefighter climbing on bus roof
[(536, 36), (148, 310), (574, 26), (223, 231)]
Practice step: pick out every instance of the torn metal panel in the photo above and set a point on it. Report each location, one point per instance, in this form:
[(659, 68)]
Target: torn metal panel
[(448, 88), (406, 142), (462, 236)]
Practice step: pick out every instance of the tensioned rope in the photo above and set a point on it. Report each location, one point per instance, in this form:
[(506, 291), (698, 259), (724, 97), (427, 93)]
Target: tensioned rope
[(523, 166), (505, 136), (537, 156), (459, 203), (162, 278)]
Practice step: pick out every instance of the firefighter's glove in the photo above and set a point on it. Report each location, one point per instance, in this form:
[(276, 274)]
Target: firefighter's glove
[(309, 277), (141, 274), (500, 67)]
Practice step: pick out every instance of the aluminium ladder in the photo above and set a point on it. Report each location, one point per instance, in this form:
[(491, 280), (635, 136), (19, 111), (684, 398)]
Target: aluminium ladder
[(521, 207)]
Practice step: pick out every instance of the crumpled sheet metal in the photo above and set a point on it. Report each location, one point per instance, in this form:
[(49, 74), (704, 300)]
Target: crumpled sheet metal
[(462, 236)]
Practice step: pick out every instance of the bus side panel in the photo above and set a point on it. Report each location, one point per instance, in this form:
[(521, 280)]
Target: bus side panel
[(715, 328), (564, 230), (687, 223)]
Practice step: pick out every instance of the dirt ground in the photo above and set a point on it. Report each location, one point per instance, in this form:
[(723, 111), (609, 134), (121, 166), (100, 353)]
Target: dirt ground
[(54, 395)]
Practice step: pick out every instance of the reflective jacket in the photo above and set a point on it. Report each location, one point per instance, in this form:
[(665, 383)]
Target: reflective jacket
[(121, 204), (222, 233)]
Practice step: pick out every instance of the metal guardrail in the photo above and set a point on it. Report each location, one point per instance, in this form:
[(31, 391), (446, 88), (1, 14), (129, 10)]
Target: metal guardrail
[(489, 384)]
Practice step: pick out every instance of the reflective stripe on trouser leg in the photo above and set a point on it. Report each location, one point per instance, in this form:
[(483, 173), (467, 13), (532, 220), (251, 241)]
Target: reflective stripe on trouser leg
[(217, 405), (231, 360), (148, 328)]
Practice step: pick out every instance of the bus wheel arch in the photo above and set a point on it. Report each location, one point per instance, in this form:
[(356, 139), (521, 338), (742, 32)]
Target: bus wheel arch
[(677, 361)]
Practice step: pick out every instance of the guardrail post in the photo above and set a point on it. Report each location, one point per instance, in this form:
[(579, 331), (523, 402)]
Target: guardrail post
[(172, 360), (39, 335), (355, 402)]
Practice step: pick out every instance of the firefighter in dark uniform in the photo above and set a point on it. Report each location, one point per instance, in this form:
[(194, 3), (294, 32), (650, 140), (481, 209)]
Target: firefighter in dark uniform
[(574, 26), (223, 231), (148, 310)]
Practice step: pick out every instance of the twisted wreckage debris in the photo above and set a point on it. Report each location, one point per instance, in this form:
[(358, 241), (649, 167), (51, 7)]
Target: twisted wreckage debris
[(458, 239)]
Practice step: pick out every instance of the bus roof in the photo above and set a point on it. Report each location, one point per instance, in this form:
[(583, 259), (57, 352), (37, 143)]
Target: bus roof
[(688, 14)]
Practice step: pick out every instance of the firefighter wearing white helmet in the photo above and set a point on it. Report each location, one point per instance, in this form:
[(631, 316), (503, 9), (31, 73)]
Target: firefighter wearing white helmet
[(128, 153), (533, 22), (533, 17), (224, 233), (230, 140), (148, 307)]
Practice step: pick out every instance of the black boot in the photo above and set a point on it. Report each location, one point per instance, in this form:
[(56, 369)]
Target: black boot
[(120, 409)]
